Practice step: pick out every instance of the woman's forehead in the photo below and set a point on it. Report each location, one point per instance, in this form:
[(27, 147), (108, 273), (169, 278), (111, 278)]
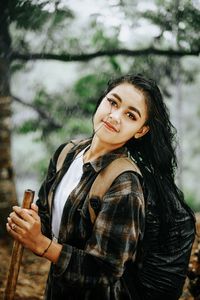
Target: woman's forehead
[(127, 92)]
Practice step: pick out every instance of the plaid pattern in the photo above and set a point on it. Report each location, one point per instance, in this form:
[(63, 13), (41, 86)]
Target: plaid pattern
[(93, 258)]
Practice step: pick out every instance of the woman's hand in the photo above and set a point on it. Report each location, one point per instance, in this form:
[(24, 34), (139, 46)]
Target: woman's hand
[(24, 225)]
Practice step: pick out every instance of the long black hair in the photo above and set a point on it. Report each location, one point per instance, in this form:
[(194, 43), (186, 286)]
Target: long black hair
[(155, 152)]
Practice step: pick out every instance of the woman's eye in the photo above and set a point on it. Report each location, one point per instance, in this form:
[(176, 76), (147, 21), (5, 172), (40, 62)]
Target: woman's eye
[(112, 102), (131, 116)]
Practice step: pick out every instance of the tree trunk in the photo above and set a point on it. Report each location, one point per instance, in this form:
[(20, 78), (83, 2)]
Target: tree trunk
[(7, 186)]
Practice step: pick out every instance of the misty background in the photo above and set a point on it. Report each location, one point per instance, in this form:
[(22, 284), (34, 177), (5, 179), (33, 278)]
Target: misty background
[(64, 52)]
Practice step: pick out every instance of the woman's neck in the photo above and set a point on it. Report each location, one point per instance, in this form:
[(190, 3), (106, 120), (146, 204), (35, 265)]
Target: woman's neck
[(97, 149)]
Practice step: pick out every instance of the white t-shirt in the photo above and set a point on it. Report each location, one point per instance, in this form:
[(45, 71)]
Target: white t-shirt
[(69, 181)]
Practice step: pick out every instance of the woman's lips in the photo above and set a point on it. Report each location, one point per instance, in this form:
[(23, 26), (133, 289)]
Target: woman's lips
[(110, 126)]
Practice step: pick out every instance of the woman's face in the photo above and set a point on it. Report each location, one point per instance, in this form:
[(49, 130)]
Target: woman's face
[(121, 115)]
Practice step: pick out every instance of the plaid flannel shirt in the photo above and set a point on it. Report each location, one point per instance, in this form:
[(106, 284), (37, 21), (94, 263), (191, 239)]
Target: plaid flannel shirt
[(93, 258)]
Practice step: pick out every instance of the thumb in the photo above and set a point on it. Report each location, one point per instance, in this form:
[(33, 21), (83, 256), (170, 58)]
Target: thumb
[(34, 207)]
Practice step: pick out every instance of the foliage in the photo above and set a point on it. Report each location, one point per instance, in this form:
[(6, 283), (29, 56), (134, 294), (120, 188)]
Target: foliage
[(87, 89), (28, 126), (26, 12), (33, 23), (192, 201), (52, 27), (180, 19)]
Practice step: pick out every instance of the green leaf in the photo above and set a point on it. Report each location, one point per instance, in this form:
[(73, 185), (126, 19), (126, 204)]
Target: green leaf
[(28, 126)]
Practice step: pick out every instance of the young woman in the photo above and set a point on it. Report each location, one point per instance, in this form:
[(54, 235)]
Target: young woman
[(139, 245)]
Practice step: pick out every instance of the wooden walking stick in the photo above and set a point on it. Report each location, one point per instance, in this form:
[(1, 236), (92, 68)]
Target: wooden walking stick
[(16, 257)]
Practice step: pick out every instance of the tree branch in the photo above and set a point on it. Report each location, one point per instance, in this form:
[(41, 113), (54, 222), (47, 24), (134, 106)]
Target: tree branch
[(43, 114), (88, 56)]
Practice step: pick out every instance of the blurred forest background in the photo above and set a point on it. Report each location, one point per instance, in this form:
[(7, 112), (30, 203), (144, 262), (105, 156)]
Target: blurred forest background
[(56, 58)]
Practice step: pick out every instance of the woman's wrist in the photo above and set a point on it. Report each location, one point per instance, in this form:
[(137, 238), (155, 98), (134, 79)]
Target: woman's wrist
[(43, 243), (53, 252), (45, 250), (48, 249)]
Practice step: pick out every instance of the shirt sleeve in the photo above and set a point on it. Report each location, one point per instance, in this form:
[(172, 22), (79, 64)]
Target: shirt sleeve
[(116, 232)]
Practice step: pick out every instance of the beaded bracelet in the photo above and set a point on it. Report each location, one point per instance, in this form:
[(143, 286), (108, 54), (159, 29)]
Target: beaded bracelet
[(41, 255)]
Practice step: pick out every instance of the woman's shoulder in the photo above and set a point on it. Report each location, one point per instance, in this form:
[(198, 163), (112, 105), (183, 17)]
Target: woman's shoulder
[(58, 150), (131, 173)]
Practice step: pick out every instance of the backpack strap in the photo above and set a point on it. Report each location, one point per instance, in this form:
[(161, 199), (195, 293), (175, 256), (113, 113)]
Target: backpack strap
[(105, 179), (64, 152), (63, 155)]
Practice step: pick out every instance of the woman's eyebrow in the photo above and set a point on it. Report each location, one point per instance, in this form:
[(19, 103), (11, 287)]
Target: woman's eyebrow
[(117, 96), (130, 107)]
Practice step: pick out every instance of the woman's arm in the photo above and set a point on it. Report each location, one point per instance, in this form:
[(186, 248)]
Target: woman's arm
[(31, 230), (25, 226), (114, 239)]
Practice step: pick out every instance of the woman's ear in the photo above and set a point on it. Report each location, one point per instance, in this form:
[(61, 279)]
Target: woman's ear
[(142, 132)]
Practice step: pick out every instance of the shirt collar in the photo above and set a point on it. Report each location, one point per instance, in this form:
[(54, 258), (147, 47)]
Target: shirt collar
[(102, 161)]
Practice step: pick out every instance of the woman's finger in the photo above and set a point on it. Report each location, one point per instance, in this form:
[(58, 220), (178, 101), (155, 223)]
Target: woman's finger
[(14, 226), (28, 215), (34, 213), (23, 214), (14, 218), (12, 231)]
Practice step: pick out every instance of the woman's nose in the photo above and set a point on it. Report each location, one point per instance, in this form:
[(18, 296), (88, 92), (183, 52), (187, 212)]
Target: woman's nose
[(116, 116)]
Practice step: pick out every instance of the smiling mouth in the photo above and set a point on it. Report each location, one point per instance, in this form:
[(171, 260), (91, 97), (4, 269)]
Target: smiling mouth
[(110, 126)]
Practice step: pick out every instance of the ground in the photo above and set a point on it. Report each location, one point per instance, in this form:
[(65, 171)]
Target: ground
[(32, 275), (34, 270)]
